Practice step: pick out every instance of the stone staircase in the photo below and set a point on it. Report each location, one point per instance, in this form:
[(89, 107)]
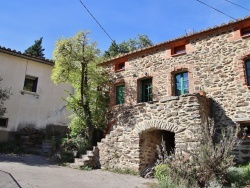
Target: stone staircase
[(90, 159)]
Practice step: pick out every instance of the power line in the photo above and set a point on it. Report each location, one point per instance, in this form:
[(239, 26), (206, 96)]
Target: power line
[(238, 5), (216, 10), (96, 21)]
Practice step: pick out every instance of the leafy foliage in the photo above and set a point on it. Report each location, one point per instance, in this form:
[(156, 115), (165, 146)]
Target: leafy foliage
[(141, 41), (207, 162), (77, 143), (239, 176), (76, 60), (161, 171), (36, 49), (4, 95)]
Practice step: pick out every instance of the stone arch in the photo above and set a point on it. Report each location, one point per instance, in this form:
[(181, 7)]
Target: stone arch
[(157, 124), (151, 133)]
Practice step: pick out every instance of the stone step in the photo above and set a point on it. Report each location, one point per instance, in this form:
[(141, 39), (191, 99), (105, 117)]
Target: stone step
[(79, 161), (87, 158), (77, 166), (90, 153)]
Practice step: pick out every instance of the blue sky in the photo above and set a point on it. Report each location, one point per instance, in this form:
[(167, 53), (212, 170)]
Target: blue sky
[(23, 22)]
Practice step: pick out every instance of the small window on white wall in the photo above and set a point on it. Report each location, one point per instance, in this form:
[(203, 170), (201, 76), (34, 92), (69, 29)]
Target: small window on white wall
[(3, 122), (30, 83)]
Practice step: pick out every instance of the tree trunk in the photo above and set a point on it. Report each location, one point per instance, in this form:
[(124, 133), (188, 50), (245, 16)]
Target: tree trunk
[(85, 99)]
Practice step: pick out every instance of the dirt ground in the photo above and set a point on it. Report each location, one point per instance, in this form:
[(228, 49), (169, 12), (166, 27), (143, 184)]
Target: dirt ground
[(28, 171)]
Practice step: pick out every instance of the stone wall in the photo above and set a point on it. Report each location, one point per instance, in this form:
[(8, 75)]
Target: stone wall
[(215, 62), (124, 146)]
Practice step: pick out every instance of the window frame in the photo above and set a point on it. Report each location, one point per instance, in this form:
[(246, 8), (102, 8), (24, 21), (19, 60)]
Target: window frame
[(182, 89), (242, 126), (119, 101), (146, 96), (247, 68), (178, 50), (245, 32), (33, 87), (120, 66), (5, 123)]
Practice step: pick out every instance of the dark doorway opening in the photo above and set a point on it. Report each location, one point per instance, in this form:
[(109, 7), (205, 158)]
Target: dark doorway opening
[(148, 145)]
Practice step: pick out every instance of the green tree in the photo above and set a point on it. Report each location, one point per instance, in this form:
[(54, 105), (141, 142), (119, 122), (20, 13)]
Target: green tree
[(141, 41), (76, 60), (36, 49), (4, 95)]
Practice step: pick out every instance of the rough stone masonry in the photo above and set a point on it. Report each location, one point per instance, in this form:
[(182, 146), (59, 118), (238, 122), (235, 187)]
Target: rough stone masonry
[(215, 62)]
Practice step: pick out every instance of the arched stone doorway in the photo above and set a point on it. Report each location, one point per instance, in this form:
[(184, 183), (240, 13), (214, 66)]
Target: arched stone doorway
[(151, 133), (149, 140)]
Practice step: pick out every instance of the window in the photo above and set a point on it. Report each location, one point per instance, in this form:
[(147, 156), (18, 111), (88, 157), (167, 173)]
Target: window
[(247, 67), (119, 94), (245, 31), (245, 127), (30, 84), (120, 66), (181, 83), (179, 50), (3, 122), (146, 90)]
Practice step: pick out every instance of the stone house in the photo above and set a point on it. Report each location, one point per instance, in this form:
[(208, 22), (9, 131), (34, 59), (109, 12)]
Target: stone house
[(155, 94), (35, 101)]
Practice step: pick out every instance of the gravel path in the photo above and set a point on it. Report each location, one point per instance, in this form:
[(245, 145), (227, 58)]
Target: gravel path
[(36, 171)]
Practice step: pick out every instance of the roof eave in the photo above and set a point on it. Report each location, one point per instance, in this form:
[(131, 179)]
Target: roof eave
[(182, 38), (29, 57)]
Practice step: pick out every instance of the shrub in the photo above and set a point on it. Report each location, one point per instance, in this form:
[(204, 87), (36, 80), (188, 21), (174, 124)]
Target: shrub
[(66, 157), (77, 143), (161, 171), (166, 183), (239, 177), (207, 162), (69, 145)]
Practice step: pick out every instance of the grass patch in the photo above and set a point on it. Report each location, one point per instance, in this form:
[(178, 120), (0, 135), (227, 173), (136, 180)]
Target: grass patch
[(86, 168), (123, 171)]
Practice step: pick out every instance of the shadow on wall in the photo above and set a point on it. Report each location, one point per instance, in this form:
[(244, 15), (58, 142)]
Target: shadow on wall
[(222, 121), (22, 125)]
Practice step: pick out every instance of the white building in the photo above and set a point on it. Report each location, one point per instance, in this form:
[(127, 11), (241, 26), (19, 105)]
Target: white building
[(35, 100)]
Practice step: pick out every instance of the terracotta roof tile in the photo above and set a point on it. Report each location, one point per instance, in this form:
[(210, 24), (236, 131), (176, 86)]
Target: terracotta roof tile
[(231, 22), (26, 56)]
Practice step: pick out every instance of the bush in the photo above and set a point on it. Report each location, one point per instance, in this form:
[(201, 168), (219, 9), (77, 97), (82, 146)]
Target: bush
[(75, 144), (69, 145), (165, 183), (206, 163), (239, 177), (66, 157), (161, 172)]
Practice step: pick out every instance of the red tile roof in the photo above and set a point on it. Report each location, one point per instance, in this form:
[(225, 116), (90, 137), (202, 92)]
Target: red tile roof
[(184, 37), (26, 56)]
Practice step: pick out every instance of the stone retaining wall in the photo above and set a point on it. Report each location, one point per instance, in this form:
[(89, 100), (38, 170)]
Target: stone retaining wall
[(124, 147)]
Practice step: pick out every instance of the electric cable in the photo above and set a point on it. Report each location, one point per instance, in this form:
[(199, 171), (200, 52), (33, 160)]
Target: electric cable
[(217, 10), (96, 21), (238, 5)]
